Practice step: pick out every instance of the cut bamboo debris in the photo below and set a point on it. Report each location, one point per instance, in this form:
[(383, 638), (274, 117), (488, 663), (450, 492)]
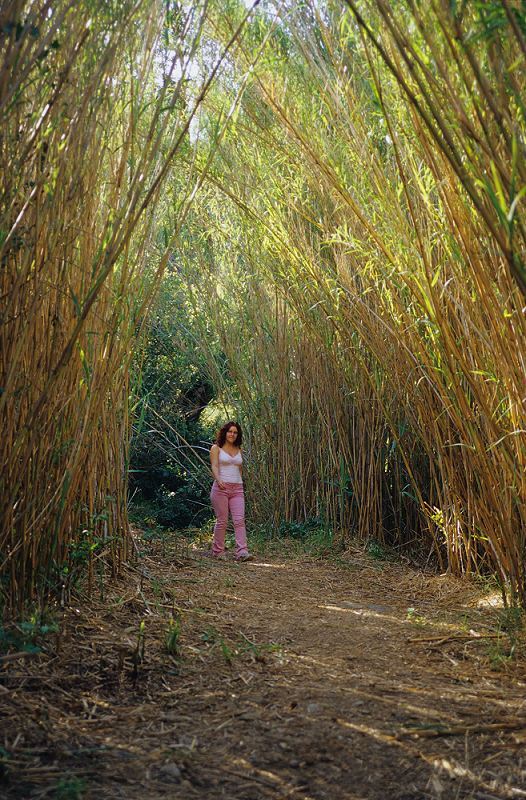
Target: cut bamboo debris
[(461, 730)]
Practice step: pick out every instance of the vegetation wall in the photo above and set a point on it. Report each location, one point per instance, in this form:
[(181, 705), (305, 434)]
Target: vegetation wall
[(362, 256)]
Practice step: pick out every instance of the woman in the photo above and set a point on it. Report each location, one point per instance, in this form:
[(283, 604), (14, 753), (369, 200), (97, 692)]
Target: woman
[(227, 490)]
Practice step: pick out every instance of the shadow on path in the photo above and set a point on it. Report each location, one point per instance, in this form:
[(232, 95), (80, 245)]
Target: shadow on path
[(291, 678)]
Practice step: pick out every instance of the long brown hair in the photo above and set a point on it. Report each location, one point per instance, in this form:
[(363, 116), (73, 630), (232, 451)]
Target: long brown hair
[(221, 434)]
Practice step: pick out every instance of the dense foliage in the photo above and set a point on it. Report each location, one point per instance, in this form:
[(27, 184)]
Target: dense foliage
[(338, 192), (169, 469), (365, 211), (96, 108)]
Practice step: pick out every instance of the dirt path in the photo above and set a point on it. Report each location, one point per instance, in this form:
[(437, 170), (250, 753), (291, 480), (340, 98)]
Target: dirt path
[(296, 678)]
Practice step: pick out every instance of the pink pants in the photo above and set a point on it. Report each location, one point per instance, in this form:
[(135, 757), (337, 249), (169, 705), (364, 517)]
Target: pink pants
[(232, 499)]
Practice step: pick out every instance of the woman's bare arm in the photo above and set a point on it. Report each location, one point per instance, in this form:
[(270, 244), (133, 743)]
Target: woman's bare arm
[(214, 461)]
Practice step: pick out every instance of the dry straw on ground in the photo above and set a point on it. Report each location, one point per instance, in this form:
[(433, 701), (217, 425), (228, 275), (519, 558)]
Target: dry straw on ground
[(292, 677)]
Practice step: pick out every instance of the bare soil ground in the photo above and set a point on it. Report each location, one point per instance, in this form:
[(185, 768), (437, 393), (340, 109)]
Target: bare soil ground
[(294, 678)]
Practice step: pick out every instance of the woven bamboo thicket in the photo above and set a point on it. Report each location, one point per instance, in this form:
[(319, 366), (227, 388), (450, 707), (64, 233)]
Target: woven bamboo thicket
[(362, 198), (93, 112), (367, 216)]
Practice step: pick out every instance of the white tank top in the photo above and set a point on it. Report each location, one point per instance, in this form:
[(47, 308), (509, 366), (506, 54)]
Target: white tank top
[(230, 467)]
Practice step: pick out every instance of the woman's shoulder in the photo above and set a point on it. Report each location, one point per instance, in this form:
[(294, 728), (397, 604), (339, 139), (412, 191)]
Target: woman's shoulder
[(214, 448)]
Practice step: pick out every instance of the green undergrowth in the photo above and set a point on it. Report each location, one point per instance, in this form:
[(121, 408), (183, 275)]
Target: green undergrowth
[(241, 647), (28, 634), (70, 787), (289, 538), (312, 537), (510, 643)]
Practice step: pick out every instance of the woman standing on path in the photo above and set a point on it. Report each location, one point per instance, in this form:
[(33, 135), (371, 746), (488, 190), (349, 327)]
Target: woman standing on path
[(227, 490)]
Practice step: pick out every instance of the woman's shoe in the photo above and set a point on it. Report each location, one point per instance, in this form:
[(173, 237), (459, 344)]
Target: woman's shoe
[(245, 557), (211, 554)]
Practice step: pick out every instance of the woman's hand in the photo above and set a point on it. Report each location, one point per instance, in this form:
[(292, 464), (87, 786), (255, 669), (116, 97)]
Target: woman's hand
[(220, 484)]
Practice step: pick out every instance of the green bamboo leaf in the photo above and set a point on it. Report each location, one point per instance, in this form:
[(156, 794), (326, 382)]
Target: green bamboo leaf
[(498, 186), (517, 63), (513, 207), (76, 302), (85, 365), (425, 298), (500, 207)]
